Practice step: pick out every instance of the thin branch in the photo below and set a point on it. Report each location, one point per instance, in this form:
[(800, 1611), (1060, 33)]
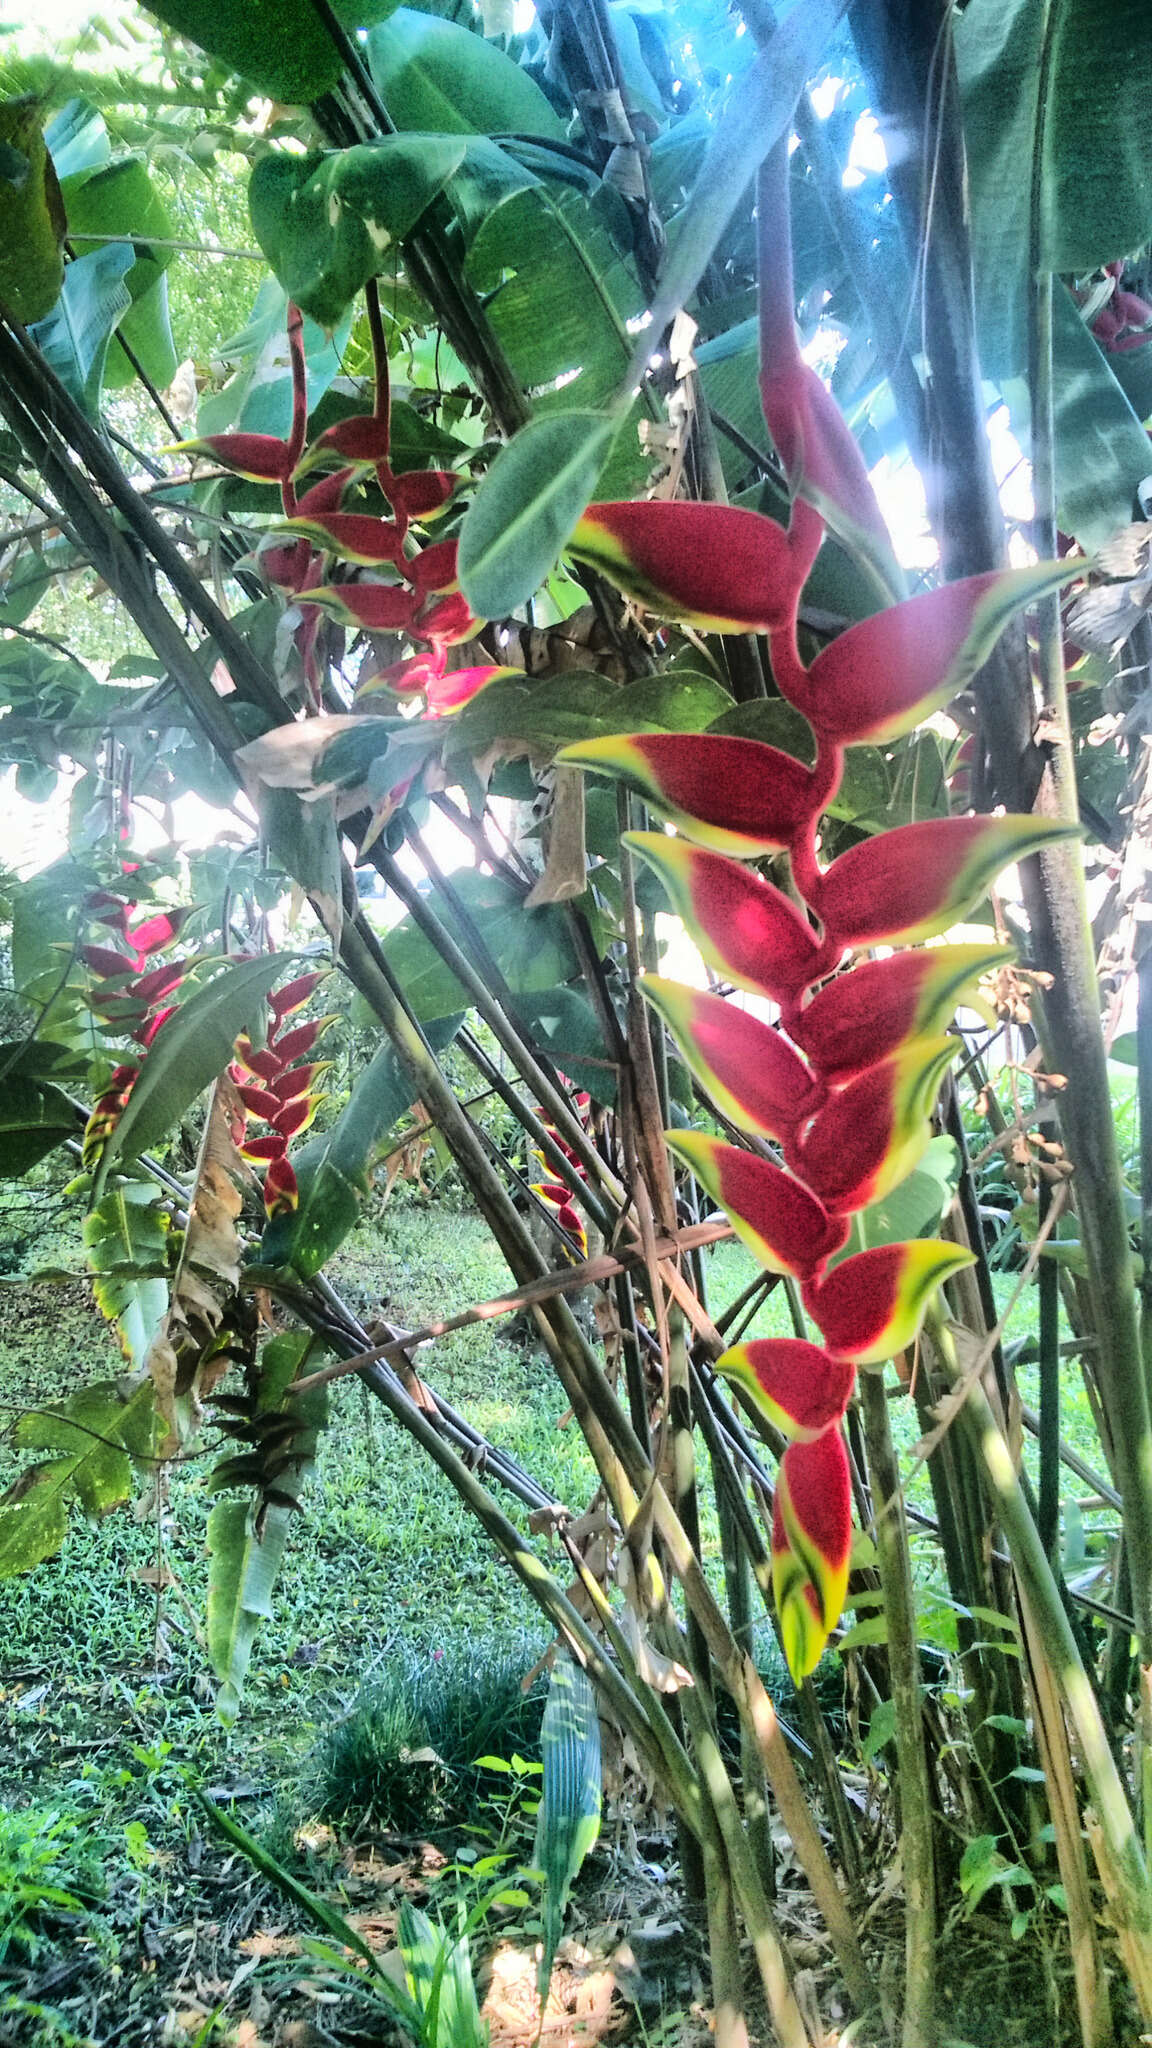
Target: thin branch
[(567, 1280)]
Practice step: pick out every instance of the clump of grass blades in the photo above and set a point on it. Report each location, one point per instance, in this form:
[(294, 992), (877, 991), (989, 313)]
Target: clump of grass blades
[(406, 1754), (49, 1877)]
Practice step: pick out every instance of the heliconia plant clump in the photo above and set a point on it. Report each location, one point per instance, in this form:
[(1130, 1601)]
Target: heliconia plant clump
[(844, 1083)]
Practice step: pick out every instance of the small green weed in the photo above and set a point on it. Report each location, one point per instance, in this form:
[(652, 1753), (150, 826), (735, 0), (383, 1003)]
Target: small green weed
[(48, 1874)]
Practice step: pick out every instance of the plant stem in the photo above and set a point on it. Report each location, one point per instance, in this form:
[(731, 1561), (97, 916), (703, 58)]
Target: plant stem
[(890, 1532), (1119, 1854)]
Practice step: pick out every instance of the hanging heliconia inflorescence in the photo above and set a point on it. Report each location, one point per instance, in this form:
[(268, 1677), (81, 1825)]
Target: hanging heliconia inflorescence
[(276, 1086), (554, 1194), (130, 998), (845, 1084), (363, 571), (275, 1082)]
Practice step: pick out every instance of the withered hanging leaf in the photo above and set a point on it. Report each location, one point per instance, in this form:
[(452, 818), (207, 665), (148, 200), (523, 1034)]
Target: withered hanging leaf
[(191, 1352)]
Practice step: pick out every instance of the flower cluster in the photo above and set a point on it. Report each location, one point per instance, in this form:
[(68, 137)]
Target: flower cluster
[(275, 1082), (409, 589), (843, 1087), (129, 997), (276, 1086), (553, 1193)]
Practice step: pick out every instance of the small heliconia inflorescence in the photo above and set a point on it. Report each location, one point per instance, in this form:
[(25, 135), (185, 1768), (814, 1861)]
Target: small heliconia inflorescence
[(276, 1087), (554, 1194), (369, 573), (845, 1085), (274, 1084)]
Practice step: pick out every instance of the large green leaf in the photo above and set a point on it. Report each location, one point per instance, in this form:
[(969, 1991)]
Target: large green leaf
[(570, 1031), (568, 1821), (1096, 178), (1097, 205), (257, 397), (75, 337), (531, 947), (333, 1170), (436, 75), (31, 247), (758, 111), (194, 1046), (329, 221), (35, 1117), (280, 46), (544, 715), (94, 1435), (306, 841), (120, 199), (242, 1569), (559, 291), (527, 506), (126, 1238), (43, 926), (246, 1538), (78, 139)]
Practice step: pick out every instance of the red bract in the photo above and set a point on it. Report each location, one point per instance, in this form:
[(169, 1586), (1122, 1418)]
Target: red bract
[(362, 440), (148, 987), (284, 1001), (448, 693), (811, 1546), (155, 1023), (732, 795), (785, 1225), (262, 458), (297, 1042), (717, 567), (885, 675), (151, 934), (262, 1063), (871, 1305), (446, 622), (297, 1081), (433, 571), (259, 1101), (294, 1116), (377, 607), (869, 1136), (750, 1071), (354, 536), (796, 1386), (420, 493), (919, 879), (261, 1149), (104, 962), (821, 456), (281, 1189), (745, 928), (864, 1015), (106, 1114)]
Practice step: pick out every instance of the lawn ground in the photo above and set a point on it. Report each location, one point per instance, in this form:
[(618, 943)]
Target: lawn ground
[(106, 1704)]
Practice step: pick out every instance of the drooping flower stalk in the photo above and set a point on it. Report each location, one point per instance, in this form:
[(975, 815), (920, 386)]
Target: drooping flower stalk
[(846, 1082)]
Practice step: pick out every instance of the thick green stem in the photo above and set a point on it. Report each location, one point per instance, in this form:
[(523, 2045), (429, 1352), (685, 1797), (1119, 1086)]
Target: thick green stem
[(891, 1537), (1125, 1875), (786, 2016)]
